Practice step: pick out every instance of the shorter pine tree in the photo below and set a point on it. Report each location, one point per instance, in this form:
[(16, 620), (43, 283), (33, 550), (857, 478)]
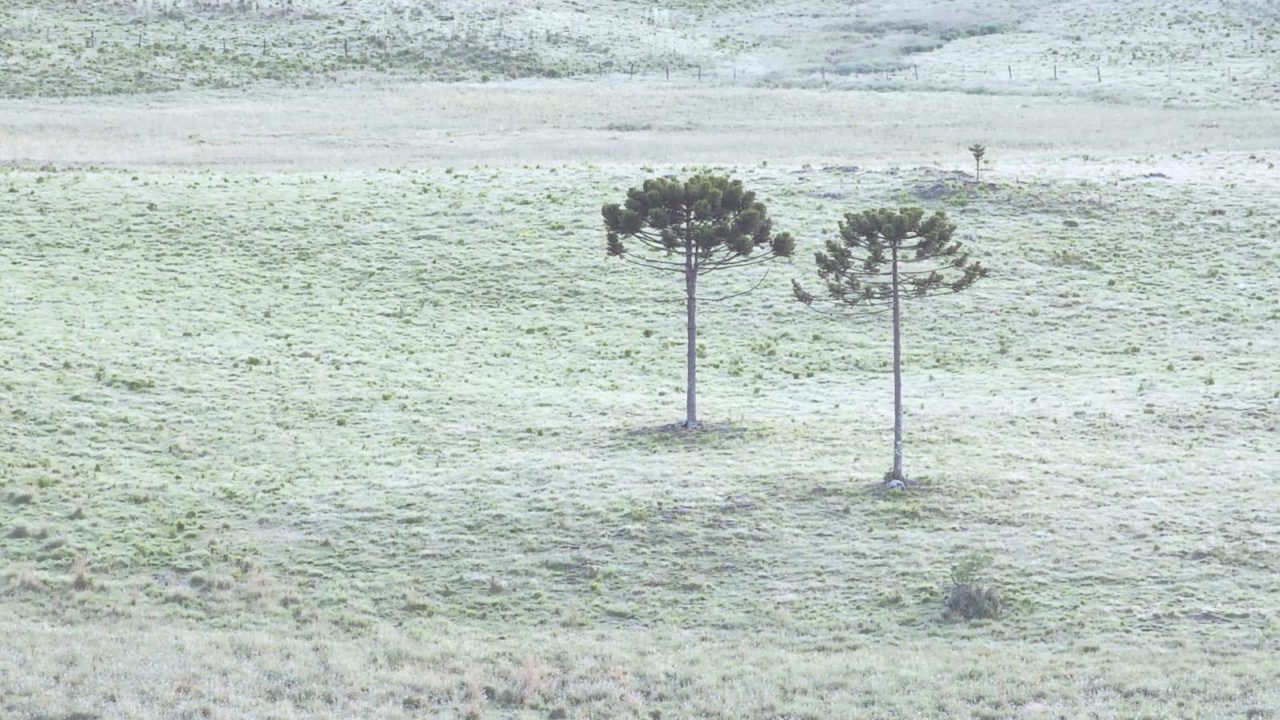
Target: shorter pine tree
[(867, 269), (978, 150)]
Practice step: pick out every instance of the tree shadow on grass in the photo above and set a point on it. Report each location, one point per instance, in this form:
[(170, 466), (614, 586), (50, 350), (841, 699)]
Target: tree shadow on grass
[(677, 435)]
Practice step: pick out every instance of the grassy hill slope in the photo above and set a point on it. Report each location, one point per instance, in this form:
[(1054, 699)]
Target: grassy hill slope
[(325, 406), (319, 397)]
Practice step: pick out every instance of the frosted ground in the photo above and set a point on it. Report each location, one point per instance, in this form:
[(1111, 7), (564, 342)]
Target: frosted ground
[(321, 399)]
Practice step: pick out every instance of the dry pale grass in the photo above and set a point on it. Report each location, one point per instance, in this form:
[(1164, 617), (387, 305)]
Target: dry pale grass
[(80, 578), (548, 122), (129, 670), (23, 579)]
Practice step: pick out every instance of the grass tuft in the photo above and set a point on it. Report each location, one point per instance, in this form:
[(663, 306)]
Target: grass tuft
[(80, 579), (531, 681), (21, 496)]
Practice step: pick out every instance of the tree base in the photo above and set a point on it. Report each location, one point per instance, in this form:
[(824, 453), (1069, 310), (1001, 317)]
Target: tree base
[(897, 482), (697, 433)]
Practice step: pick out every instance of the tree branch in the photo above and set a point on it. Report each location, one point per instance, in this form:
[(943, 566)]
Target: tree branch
[(653, 264), (844, 309), (653, 244), (746, 261), (752, 289)]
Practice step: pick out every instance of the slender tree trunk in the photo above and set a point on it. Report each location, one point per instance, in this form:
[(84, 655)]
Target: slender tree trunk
[(977, 170), (691, 356), (897, 374)]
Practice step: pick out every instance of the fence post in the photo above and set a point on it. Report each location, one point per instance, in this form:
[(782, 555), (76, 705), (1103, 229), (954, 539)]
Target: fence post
[(916, 68), (1055, 71), (699, 73), (1010, 72), (1099, 69)]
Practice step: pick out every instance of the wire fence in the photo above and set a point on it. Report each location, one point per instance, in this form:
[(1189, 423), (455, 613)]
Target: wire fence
[(538, 50)]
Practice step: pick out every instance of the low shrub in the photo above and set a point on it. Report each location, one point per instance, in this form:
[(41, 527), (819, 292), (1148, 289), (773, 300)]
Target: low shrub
[(970, 597)]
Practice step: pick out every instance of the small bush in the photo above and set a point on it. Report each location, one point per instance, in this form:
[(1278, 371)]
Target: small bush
[(970, 598), (972, 602), (21, 496)]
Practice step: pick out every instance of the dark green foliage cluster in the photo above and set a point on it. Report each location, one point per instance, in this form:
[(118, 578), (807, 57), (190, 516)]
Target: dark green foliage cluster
[(857, 266), (709, 217)]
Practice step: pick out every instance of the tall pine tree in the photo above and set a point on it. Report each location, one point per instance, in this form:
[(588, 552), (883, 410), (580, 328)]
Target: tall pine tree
[(694, 227), (883, 257)]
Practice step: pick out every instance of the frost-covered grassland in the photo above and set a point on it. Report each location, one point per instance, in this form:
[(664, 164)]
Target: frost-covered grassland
[(328, 403)]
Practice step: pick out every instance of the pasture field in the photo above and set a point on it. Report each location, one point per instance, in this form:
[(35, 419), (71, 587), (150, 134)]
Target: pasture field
[(1213, 53), (319, 397)]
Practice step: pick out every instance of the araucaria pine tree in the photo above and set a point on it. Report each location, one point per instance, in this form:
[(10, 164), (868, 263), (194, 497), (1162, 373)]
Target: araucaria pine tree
[(701, 225), (883, 257), (977, 150)]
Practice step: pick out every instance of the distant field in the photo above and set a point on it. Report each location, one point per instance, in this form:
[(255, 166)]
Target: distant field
[(319, 397), (539, 122), (1219, 54)]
